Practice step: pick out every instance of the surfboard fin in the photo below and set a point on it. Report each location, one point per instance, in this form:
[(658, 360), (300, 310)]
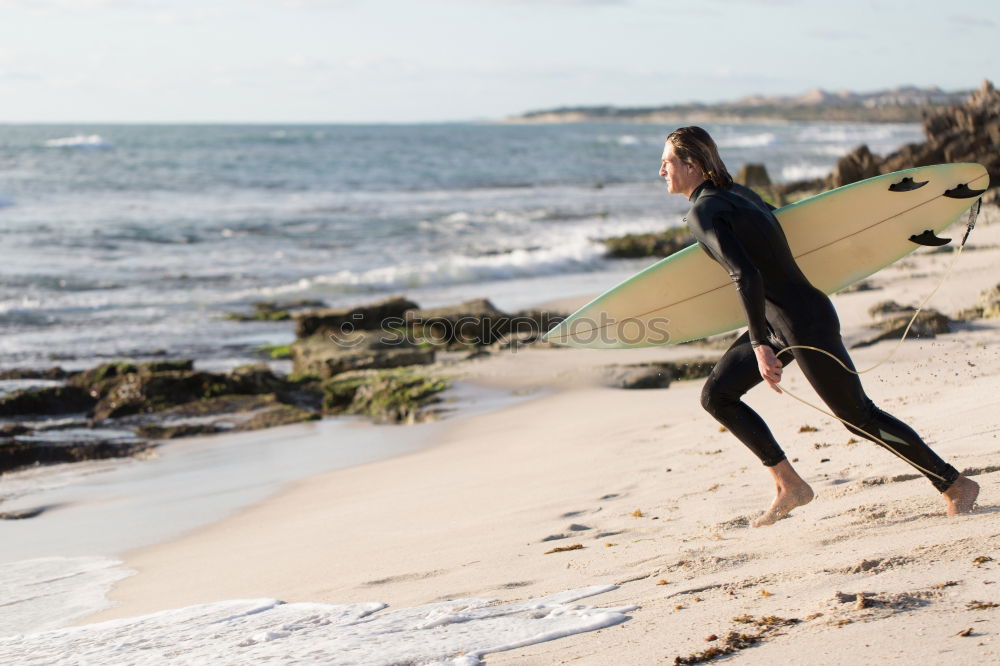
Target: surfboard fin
[(928, 237), (906, 185), (962, 192)]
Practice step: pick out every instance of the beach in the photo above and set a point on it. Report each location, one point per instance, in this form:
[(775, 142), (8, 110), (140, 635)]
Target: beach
[(548, 514), (645, 494)]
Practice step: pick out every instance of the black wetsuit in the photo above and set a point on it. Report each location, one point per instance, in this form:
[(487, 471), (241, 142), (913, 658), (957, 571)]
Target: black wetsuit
[(738, 231)]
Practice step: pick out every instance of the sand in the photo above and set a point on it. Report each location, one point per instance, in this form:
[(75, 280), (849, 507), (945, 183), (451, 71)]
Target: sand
[(659, 499)]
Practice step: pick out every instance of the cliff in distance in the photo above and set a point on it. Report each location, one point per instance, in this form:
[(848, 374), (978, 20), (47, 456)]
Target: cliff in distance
[(902, 104)]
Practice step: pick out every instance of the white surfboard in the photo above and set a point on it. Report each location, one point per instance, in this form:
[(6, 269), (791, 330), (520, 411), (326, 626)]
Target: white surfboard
[(837, 238)]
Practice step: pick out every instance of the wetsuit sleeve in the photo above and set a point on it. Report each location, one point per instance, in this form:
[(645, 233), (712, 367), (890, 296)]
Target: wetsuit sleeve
[(707, 223)]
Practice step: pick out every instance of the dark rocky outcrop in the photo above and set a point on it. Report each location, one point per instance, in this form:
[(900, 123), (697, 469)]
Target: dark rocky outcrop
[(754, 176), (474, 323), (339, 321), (48, 400), (15, 454), (967, 132), (659, 375)]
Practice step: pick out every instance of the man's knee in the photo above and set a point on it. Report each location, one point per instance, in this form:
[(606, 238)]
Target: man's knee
[(860, 415), (712, 399)]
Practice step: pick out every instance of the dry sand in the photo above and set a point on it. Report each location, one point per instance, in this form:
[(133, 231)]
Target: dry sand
[(659, 499)]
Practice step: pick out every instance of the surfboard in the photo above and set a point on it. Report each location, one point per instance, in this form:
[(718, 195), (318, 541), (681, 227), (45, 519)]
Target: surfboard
[(837, 237)]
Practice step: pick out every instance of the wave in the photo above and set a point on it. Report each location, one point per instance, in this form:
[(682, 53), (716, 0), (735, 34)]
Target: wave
[(50, 592), (793, 172), (749, 141), (88, 141), (268, 630), (453, 270)]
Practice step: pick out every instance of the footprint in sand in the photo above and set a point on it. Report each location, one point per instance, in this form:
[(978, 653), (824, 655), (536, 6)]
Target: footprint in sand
[(574, 527)]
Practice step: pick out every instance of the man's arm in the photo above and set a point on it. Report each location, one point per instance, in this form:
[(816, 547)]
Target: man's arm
[(708, 224)]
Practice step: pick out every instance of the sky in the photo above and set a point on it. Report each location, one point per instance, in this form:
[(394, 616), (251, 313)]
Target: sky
[(400, 61)]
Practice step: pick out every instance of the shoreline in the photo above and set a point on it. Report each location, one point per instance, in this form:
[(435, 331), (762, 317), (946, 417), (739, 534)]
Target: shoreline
[(475, 514)]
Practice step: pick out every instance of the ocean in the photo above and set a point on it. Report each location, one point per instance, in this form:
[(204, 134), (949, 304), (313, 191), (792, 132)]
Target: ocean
[(136, 240)]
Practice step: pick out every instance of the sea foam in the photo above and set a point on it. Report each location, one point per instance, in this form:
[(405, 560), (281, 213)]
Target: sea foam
[(50, 592), (93, 141), (458, 632)]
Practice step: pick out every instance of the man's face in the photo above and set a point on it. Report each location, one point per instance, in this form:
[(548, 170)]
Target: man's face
[(678, 175)]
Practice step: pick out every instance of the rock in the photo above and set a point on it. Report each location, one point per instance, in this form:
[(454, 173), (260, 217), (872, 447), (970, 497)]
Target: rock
[(34, 373), (659, 375), (46, 400), (887, 307), (660, 244), (15, 454), (968, 132), (254, 378), (928, 324), (475, 323), (989, 301), (532, 324), (987, 307), (255, 413), (643, 378), (133, 393), (753, 176), (861, 285), (165, 431), (399, 396), (273, 310), (91, 379), (384, 314), (325, 358), (856, 165)]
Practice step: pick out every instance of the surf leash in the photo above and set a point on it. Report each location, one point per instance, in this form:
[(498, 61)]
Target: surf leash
[(973, 214)]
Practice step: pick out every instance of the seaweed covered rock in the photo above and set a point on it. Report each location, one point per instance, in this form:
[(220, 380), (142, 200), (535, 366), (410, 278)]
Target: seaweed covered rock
[(659, 244), (145, 392), (397, 396), (121, 389), (377, 316), (325, 357), (97, 376), (273, 310)]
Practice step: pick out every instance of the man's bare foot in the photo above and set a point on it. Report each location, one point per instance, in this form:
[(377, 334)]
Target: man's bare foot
[(961, 496), (786, 500)]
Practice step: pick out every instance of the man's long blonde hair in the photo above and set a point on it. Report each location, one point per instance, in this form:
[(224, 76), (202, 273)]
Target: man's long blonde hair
[(695, 146)]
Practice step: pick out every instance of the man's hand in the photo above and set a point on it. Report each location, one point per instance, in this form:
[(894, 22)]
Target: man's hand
[(769, 366)]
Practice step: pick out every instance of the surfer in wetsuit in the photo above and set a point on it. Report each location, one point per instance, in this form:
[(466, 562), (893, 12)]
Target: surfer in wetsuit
[(736, 229)]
